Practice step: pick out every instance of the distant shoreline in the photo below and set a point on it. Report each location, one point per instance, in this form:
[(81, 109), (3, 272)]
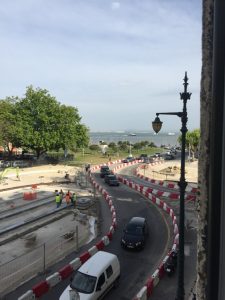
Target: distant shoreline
[(162, 138)]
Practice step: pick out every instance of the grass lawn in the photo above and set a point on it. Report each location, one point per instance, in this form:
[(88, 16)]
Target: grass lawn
[(96, 158)]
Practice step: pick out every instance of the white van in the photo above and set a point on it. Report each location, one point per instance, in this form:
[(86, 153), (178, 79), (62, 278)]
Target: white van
[(94, 278)]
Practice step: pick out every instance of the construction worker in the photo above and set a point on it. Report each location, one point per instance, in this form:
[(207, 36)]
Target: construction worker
[(73, 199), (61, 194), (57, 200), (68, 197)]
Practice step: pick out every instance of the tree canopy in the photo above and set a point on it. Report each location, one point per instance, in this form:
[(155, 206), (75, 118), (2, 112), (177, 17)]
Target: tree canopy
[(9, 130), (192, 140), (40, 123)]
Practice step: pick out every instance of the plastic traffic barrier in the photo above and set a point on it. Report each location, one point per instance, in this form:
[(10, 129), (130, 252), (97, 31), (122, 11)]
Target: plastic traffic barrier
[(75, 264), (150, 286), (29, 295), (66, 271), (155, 277), (93, 250), (142, 294), (54, 279), (84, 257), (161, 270), (40, 288), (105, 240), (109, 235), (100, 245)]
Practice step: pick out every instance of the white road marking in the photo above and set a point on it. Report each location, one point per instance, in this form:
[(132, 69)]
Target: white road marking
[(125, 199)]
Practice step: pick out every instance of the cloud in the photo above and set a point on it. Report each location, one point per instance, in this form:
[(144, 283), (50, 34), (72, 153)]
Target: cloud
[(115, 5), (87, 55)]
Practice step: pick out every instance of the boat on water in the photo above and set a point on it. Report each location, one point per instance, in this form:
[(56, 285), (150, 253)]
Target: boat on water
[(171, 133), (132, 134)]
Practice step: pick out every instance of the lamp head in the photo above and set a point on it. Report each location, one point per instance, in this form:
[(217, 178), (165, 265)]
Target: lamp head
[(157, 124)]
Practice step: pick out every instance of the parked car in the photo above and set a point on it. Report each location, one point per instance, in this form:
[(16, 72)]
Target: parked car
[(112, 180), (143, 156), (104, 171), (135, 234), (21, 163), (94, 278), (169, 156), (6, 164)]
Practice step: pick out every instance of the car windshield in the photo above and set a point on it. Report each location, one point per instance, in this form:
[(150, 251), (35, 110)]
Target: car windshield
[(83, 283), (134, 229), (104, 168), (112, 177)]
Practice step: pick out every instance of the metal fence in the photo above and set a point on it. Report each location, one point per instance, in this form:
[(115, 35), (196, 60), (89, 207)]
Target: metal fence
[(26, 266)]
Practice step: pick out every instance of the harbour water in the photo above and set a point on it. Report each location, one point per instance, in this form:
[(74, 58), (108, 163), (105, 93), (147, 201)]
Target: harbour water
[(164, 138)]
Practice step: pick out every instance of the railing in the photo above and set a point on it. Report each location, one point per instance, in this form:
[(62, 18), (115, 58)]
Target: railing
[(24, 267)]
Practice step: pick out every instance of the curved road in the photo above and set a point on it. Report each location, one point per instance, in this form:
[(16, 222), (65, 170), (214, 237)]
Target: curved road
[(135, 266)]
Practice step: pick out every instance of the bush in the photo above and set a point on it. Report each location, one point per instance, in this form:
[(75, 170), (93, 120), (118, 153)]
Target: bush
[(94, 147)]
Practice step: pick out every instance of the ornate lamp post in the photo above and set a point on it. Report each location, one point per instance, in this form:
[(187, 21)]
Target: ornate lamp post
[(157, 125)]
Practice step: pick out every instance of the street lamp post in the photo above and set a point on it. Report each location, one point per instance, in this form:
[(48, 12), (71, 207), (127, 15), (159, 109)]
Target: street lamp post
[(157, 124)]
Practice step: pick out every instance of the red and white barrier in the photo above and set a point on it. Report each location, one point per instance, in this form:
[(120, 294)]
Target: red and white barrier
[(51, 281), (44, 286), (29, 295), (153, 194), (54, 279), (169, 185)]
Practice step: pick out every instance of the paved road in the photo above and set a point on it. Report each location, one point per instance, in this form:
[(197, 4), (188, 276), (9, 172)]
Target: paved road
[(129, 203), (133, 264), (166, 289)]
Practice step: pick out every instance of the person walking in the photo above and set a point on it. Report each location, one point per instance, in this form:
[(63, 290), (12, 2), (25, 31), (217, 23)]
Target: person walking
[(61, 194), (68, 197), (73, 199), (57, 200)]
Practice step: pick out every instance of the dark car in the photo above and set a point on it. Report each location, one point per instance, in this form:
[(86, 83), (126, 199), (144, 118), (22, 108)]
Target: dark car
[(128, 159), (143, 156), (169, 156), (112, 180), (104, 171), (135, 234)]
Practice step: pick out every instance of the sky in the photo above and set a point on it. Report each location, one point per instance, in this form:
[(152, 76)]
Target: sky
[(118, 62)]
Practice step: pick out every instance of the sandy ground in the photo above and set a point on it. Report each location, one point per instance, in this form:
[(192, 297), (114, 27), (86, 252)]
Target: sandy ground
[(50, 241), (35, 175), (159, 171)]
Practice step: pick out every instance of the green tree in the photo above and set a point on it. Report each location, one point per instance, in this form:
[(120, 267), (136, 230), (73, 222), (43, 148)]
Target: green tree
[(72, 134), (137, 146), (10, 125), (47, 125), (113, 146), (192, 141), (123, 145), (152, 145), (94, 147)]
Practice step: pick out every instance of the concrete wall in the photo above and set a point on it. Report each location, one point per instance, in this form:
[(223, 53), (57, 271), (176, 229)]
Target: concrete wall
[(205, 124)]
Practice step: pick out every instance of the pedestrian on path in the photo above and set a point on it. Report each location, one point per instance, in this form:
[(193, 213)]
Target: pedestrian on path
[(74, 199), (61, 196), (68, 197), (57, 200)]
